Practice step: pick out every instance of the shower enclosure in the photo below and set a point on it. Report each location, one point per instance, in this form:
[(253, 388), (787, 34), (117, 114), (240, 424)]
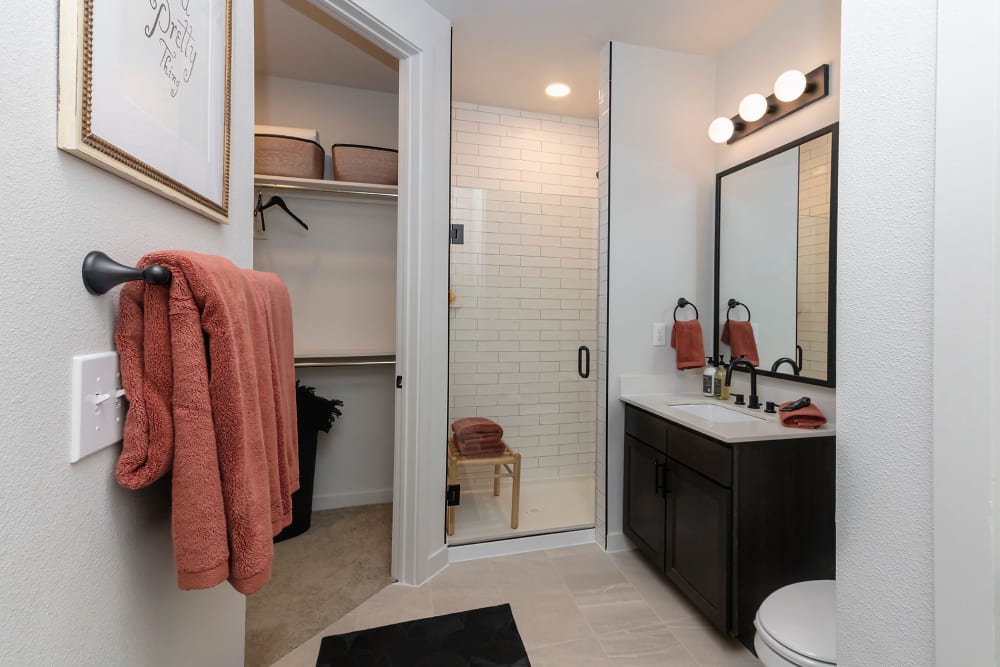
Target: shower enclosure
[(523, 317)]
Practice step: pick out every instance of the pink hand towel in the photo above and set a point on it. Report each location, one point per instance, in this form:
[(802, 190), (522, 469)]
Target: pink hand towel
[(208, 370), (686, 338), (738, 335)]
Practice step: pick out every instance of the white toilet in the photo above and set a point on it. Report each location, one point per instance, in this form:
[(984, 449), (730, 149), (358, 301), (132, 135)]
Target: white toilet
[(797, 626)]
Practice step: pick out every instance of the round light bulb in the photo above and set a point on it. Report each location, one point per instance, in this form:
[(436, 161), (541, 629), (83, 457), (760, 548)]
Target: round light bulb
[(557, 90), (753, 107), (790, 85), (720, 130)]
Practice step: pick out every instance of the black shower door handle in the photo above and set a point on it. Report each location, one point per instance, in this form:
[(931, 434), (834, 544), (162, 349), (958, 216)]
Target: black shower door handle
[(583, 367)]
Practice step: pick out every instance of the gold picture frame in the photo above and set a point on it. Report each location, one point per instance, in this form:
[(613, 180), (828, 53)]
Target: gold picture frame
[(138, 101)]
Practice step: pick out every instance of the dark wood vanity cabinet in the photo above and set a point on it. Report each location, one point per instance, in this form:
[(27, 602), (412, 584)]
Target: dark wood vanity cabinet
[(728, 524)]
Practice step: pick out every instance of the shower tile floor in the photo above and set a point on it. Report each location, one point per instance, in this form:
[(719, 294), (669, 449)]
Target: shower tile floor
[(546, 504)]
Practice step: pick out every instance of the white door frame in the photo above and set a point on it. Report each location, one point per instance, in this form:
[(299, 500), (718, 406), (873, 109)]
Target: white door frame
[(421, 39), (966, 333)]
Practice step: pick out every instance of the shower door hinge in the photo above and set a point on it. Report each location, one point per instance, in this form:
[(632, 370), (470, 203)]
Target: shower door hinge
[(453, 496), (458, 234)]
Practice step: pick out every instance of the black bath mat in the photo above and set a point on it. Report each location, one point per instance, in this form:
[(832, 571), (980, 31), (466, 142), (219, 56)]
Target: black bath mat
[(486, 637)]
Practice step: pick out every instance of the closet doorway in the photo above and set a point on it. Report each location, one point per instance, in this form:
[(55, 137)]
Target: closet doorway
[(325, 185)]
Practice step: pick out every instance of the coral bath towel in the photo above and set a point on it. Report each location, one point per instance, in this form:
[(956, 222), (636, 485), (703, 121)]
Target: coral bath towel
[(807, 417), (738, 335), (208, 368), (686, 338), (477, 429)]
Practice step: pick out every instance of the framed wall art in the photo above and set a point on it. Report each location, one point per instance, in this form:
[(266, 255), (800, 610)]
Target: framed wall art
[(144, 92)]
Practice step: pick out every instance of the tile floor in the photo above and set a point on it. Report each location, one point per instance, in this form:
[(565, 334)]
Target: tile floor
[(546, 505), (574, 607)]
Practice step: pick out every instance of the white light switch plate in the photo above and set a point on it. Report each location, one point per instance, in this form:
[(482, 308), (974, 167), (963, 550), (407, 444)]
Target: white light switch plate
[(98, 406), (659, 334)]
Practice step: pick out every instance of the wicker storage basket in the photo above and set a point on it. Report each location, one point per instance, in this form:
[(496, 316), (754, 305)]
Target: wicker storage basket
[(278, 155), (365, 164)]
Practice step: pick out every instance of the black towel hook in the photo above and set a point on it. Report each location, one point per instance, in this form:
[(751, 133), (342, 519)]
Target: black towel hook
[(733, 303), (101, 273), (681, 303)]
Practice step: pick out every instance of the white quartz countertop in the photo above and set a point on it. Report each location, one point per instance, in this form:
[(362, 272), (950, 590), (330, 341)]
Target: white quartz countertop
[(766, 427)]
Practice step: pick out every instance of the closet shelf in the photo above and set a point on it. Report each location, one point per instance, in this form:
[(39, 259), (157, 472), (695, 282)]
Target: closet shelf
[(370, 191)]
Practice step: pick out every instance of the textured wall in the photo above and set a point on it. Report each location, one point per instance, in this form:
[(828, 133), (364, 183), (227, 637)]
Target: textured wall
[(525, 279), (884, 334), (87, 566)]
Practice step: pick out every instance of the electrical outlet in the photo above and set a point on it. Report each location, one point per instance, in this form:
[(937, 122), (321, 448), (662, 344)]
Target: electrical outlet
[(98, 410), (659, 334)]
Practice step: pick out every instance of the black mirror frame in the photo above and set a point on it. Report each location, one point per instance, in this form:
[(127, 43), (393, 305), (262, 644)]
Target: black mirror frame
[(831, 344)]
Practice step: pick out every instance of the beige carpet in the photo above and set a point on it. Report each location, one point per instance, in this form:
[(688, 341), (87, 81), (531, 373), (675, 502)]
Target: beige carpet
[(319, 576)]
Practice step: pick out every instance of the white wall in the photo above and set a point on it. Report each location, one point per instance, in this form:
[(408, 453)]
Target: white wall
[(88, 567), (966, 326), (801, 34), (661, 182), (885, 273), (341, 114), (354, 460)]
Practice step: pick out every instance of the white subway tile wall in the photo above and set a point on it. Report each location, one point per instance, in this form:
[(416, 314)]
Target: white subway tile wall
[(814, 254), (524, 185)]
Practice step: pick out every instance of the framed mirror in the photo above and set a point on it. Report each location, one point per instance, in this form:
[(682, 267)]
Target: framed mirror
[(775, 260)]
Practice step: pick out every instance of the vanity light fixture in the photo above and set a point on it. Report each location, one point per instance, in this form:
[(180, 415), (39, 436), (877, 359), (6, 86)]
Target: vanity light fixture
[(753, 107), (720, 130), (557, 90), (793, 90), (790, 85)]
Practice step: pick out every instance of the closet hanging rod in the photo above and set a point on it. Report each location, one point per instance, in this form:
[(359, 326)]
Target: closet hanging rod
[(328, 190), (334, 362)]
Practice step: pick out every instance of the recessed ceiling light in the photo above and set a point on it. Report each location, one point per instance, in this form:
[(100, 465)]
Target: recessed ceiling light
[(557, 90)]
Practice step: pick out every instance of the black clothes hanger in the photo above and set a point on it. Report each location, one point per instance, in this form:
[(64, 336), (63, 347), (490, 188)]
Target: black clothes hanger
[(274, 201)]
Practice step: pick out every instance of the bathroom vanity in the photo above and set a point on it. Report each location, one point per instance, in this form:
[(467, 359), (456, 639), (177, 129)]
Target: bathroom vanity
[(729, 504)]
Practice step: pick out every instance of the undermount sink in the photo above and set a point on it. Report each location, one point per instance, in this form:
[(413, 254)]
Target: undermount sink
[(715, 413)]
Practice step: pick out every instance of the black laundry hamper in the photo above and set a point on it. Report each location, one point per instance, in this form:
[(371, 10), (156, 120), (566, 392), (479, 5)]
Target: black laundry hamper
[(315, 414)]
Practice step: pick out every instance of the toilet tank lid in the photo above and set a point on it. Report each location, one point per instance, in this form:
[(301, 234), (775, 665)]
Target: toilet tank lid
[(803, 618)]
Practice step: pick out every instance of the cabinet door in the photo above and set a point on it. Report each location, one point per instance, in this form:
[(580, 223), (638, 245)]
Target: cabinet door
[(645, 507), (698, 540)]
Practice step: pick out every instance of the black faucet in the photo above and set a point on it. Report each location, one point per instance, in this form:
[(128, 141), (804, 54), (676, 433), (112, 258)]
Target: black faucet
[(754, 401), (786, 360)]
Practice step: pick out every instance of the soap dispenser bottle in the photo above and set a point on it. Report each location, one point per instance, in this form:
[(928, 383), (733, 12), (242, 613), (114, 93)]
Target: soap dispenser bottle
[(708, 378), (719, 389)]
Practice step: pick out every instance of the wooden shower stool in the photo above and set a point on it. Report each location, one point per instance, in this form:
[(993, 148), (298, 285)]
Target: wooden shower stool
[(507, 464)]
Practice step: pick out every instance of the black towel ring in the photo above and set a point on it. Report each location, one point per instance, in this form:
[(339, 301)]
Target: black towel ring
[(681, 303), (733, 303)]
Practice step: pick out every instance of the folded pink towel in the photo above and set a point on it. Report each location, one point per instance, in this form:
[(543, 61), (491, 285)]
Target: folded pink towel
[(474, 450), (476, 427), (807, 417)]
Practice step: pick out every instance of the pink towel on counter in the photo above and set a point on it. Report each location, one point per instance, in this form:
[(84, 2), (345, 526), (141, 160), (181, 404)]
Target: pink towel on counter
[(208, 369), (738, 335), (686, 338), (807, 417)]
